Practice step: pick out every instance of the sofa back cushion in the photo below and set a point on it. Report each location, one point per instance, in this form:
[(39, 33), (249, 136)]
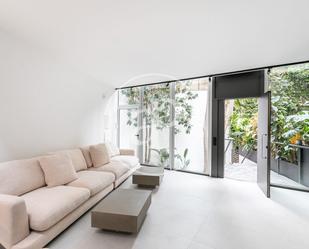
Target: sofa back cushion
[(58, 170), (86, 152), (76, 157), (20, 176), (99, 155)]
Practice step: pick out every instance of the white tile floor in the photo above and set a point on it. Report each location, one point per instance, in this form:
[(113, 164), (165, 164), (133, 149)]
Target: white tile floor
[(197, 212)]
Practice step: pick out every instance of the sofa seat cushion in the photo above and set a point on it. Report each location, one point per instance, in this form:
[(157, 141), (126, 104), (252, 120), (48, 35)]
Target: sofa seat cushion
[(117, 168), (47, 206), (130, 161), (94, 181)]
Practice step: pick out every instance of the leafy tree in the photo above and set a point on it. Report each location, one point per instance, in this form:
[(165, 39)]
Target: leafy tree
[(156, 112), (290, 109)]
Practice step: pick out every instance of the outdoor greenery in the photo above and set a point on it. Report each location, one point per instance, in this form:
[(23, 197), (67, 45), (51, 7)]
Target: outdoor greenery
[(156, 115), (289, 114), (243, 123), (290, 109), (184, 159)]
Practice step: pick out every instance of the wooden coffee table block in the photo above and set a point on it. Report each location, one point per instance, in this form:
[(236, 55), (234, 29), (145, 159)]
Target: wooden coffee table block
[(148, 176), (124, 210)]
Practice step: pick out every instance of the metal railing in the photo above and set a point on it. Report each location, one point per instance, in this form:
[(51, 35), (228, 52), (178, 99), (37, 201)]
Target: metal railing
[(231, 142)]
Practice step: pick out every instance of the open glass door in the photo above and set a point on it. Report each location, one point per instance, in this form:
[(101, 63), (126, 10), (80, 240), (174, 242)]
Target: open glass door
[(263, 143)]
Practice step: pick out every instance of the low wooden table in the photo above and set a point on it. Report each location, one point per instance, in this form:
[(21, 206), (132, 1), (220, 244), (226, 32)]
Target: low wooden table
[(148, 176), (124, 210)]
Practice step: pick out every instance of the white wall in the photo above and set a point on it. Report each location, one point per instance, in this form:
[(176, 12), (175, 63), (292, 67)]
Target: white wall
[(122, 41), (44, 105)]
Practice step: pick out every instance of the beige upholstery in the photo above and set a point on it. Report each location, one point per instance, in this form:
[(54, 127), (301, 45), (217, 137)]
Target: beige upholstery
[(117, 168), (58, 169), (99, 155), (127, 152), (76, 156), (39, 239), (14, 225), (20, 176), (129, 161), (47, 206), (94, 181), (87, 156), (47, 211), (125, 176)]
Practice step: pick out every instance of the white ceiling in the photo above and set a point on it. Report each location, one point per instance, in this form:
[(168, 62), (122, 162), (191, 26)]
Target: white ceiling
[(149, 40)]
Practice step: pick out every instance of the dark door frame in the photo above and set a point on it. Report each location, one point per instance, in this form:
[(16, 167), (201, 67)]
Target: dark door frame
[(243, 85)]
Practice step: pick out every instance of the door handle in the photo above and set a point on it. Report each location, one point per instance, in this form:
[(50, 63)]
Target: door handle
[(214, 141), (265, 146)]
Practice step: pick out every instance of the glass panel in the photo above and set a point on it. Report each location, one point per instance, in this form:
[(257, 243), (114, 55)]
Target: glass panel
[(156, 124), (128, 129), (190, 110), (129, 96), (290, 126)]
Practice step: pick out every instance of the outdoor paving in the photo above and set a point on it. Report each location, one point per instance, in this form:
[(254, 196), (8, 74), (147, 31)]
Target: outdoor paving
[(248, 172)]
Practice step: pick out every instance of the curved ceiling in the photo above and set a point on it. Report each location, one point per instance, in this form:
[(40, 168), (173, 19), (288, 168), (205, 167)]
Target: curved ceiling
[(138, 41)]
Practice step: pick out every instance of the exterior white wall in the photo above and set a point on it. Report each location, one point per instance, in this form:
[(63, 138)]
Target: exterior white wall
[(44, 105), (195, 140)]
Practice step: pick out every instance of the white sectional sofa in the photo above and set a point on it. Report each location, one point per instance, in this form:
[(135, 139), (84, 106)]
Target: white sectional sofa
[(32, 214)]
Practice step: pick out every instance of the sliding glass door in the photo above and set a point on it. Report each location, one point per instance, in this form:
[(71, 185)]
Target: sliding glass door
[(190, 125), (170, 123)]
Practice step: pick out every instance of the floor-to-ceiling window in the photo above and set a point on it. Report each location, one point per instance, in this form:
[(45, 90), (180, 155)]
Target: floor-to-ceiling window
[(191, 98), (290, 125), (167, 122)]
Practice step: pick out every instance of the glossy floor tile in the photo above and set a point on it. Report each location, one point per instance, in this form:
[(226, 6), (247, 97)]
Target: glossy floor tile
[(198, 212)]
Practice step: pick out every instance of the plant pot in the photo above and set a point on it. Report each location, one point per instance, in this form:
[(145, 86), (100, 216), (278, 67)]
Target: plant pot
[(235, 154), (289, 170)]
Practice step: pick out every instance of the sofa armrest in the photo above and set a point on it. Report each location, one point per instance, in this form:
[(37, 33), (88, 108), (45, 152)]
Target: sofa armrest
[(14, 225), (127, 152)]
